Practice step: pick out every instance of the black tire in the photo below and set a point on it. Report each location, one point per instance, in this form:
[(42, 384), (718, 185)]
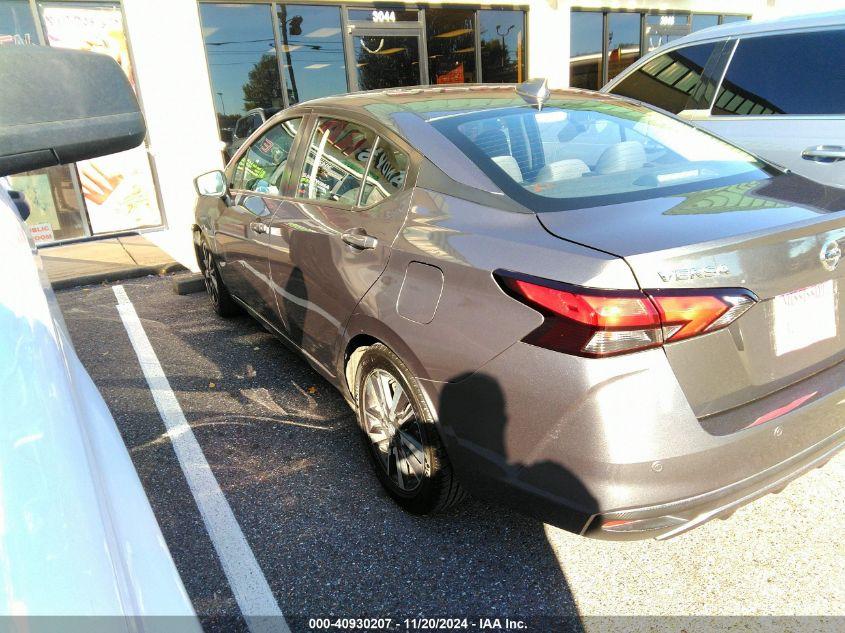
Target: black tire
[(436, 487), (221, 300)]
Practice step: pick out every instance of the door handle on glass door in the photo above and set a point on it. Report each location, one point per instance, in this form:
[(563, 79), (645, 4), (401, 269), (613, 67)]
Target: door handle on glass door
[(359, 239), (258, 227), (824, 153)]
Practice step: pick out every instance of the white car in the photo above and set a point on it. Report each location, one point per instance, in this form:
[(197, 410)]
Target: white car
[(775, 87), (77, 534)]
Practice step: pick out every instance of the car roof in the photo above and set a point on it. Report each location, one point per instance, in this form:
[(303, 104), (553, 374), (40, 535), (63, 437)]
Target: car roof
[(757, 27), (431, 102)]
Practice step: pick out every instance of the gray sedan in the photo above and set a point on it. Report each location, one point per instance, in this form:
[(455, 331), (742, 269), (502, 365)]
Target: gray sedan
[(561, 300)]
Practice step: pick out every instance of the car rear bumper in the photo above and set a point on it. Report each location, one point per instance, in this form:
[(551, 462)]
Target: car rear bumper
[(610, 448)]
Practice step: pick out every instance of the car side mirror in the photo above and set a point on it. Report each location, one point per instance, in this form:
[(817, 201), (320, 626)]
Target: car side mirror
[(212, 184), (60, 106)]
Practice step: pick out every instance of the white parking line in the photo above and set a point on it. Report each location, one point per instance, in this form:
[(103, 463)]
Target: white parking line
[(256, 601)]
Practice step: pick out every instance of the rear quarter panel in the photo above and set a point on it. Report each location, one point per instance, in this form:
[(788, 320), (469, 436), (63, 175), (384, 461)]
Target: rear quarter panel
[(474, 319)]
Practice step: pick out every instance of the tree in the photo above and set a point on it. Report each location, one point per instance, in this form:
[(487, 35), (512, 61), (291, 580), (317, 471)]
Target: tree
[(264, 88)]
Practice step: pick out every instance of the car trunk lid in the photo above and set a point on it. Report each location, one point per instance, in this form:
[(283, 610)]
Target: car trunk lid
[(768, 236)]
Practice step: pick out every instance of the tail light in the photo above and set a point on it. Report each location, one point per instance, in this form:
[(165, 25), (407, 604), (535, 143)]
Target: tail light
[(594, 323)]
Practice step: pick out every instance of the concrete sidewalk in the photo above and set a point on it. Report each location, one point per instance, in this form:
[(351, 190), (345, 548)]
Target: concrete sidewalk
[(105, 260)]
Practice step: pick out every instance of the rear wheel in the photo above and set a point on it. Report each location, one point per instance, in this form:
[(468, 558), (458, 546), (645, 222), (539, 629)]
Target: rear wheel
[(221, 300), (402, 439)]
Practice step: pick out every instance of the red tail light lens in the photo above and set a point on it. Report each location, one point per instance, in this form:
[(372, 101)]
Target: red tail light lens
[(590, 322)]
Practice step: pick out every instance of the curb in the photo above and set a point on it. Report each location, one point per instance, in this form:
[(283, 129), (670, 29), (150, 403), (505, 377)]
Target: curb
[(188, 284), (117, 275)]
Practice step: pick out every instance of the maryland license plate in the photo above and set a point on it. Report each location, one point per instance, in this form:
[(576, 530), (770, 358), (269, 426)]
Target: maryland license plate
[(804, 317)]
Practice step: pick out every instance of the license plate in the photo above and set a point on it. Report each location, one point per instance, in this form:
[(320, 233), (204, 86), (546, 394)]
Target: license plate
[(804, 317)]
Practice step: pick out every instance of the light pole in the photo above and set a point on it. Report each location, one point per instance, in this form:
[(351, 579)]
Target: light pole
[(222, 105), (503, 36)]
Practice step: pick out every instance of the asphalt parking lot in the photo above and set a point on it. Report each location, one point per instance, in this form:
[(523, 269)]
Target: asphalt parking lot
[(285, 449)]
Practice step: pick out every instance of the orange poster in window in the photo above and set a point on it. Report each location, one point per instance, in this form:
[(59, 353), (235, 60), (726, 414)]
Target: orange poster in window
[(454, 76)]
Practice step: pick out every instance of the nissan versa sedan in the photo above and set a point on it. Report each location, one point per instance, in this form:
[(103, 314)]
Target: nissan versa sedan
[(562, 300)]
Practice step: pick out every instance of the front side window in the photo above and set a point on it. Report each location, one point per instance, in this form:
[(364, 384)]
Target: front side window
[(785, 74), (261, 169), (669, 80), (337, 159), (582, 153)]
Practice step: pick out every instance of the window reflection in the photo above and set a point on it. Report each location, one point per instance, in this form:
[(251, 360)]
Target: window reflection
[(312, 51), (704, 21), (585, 49), (623, 41), (502, 46), (670, 80), (386, 176), (386, 61), (240, 45), (16, 23), (451, 45), (665, 28)]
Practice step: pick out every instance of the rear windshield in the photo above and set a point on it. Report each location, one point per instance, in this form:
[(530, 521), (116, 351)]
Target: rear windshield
[(577, 154)]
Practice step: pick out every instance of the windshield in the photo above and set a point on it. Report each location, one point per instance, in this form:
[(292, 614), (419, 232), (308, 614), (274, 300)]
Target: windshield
[(592, 153)]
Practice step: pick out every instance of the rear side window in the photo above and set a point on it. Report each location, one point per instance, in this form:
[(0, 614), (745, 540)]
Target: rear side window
[(261, 169), (337, 160), (797, 73), (668, 81)]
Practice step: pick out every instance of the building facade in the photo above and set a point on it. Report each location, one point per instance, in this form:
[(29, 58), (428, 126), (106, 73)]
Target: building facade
[(206, 72)]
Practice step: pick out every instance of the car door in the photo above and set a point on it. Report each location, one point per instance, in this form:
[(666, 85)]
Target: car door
[(783, 97), (330, 240), (242, 228)]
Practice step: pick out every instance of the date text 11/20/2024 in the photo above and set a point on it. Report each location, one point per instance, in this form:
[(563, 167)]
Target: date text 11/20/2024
[(417, 624)]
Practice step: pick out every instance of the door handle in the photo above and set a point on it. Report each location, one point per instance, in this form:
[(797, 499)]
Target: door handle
[(824, 153), (258, 227), (359, 239)]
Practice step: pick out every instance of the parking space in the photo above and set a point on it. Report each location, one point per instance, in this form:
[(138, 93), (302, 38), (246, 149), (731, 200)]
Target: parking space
[(286, 452)]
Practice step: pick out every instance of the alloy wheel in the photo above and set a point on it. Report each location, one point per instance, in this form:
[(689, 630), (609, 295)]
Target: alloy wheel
[(393, 430), (209, 276)]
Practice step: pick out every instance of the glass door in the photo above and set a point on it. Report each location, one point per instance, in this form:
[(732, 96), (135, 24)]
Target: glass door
[(386, 46)]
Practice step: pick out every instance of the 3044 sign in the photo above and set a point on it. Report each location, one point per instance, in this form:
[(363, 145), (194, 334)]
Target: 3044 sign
[(384, 16)]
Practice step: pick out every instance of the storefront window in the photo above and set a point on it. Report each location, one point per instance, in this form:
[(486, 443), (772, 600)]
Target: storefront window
[(450, 38), (118, 189), (665, 28), (623, 41), (242, 62), (726, 19), (592, 65), (17, 25), (55, 207), (502, 45), (703, 21), (386, 61), (585, 49), (312, 51)]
